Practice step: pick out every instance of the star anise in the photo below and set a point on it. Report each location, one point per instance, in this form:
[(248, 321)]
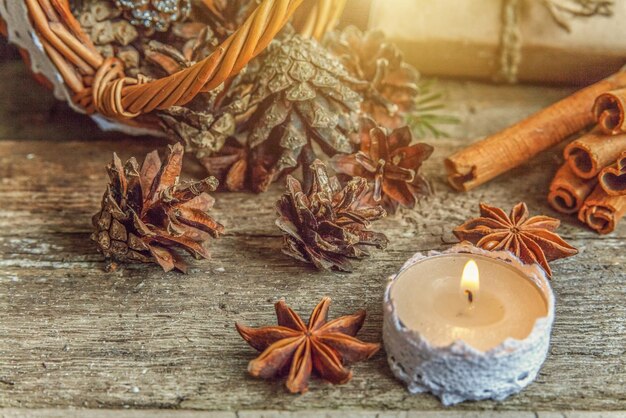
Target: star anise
[(295, 349), (531, 239), (328, 225), (146, 212), (390, 162)]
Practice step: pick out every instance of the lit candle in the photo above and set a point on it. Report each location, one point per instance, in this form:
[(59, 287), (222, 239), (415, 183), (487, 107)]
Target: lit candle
[(467, 324), (467, 297)]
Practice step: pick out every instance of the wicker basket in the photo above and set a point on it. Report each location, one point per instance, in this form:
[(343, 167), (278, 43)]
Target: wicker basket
[(62, 56)]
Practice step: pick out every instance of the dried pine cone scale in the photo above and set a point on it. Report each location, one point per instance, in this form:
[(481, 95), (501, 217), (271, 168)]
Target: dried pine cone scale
[(327, 226), (147, 212)]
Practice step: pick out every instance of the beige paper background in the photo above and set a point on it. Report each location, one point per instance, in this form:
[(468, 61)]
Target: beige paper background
[(461, 38)]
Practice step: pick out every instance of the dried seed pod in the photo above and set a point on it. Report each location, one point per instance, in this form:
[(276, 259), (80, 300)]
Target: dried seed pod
[(296, 349)]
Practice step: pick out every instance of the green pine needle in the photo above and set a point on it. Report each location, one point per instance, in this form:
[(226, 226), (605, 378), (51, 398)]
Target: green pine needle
[(429, 114)]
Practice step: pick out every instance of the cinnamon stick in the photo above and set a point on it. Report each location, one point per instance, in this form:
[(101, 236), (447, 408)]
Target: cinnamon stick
[(498, 153), (601, 212), (613, 179), (608, 110), (568, 191), (590, 153)]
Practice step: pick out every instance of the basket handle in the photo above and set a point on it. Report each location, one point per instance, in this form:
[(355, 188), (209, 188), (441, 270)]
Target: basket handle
[(322, 18)]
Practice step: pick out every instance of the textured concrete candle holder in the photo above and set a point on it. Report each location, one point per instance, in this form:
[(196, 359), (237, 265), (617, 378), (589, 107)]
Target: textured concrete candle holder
[(459, 372)]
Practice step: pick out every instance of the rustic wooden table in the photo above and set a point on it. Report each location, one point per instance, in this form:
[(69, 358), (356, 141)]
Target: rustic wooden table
[(72, 336)]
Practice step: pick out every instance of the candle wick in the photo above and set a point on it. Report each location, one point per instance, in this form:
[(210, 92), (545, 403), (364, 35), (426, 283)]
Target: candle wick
[(470, 296)]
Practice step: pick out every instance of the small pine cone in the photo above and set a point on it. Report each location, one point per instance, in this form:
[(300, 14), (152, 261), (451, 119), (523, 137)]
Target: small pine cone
[(327, 226), (390, 162), (300, 95), (145, 212), (391, 90), (154, 14)]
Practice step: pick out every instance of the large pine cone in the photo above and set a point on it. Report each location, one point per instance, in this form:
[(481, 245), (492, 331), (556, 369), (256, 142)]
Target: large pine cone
[(328, 225), (391, 162), (301, 95), (145, 212), (391, 90)]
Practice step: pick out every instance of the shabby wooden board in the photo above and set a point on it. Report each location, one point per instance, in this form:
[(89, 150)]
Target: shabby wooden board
[(72, 336)]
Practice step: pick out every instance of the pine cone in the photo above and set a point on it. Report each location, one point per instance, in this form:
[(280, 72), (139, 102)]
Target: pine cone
[(155, 14), (146, 212), (390, 162), (391, 90), (327, 226), (300, 95)]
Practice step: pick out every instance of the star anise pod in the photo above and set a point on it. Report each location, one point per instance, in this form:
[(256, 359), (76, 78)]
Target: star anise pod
[(391, 90), (146, 212), (328, 225), (531, 239), (296, 350), (301, 95), (390, 162)]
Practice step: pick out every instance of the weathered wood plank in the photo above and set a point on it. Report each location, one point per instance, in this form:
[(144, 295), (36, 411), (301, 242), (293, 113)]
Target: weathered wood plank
[(141, 338), (73, 336), (82, 413)]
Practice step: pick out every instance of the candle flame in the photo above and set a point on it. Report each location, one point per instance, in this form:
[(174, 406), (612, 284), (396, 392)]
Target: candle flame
[(470, 282)]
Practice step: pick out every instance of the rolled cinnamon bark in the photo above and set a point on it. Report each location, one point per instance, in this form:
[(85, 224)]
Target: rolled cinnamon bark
[(498, 153), (568, 191), (608, 110), (601, 212), (590, 153), (613, 179)]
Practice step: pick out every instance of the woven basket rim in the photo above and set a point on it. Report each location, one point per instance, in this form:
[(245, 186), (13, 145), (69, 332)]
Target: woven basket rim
[(99, 86)]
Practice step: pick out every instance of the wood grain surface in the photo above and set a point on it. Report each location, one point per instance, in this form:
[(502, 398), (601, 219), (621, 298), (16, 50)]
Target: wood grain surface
[(72, 336)]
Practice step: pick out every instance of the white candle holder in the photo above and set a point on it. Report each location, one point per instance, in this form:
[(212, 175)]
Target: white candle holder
[(459, 372)]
